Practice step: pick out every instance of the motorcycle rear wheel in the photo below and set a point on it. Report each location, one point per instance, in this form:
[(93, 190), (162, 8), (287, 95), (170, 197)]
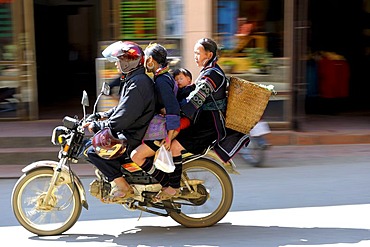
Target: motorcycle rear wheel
[(60, 215), (217, 189)]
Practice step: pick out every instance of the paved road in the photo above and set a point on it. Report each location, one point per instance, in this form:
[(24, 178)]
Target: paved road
[(305, 196), (339, 226)]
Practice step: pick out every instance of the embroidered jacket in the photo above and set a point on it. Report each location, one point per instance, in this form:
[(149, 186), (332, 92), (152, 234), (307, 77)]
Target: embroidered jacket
[(210, 95)]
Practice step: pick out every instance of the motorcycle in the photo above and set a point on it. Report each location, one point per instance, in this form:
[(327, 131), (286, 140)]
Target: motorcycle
[(48, 198), (254, 151)]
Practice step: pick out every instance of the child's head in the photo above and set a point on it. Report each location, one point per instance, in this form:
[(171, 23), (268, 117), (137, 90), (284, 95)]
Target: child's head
[(183, 77)]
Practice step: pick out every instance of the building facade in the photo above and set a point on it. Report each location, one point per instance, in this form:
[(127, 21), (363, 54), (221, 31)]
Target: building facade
[(47, 44)]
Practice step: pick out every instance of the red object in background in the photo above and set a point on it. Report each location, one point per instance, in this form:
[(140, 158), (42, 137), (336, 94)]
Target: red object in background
[(333, 78)]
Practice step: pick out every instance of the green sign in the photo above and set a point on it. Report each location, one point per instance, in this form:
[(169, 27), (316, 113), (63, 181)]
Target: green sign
[(138, 20)]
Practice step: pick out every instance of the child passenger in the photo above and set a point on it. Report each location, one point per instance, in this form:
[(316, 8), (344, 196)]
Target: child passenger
[(183, 78)]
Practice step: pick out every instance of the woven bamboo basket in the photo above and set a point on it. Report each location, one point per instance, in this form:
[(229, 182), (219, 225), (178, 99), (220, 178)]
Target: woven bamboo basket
[(246, 104)]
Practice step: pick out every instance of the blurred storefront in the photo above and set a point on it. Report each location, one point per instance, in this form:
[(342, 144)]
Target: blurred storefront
[(56, 42), (18, 96), (270, 42), (257, 46), (47, 44)]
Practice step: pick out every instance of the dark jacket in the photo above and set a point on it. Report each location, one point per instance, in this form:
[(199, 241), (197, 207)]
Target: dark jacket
[(166, 89), (135, 108), (210, 95)]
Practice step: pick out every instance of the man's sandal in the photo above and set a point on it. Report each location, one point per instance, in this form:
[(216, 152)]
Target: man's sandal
[(163, 195), (117, 196)]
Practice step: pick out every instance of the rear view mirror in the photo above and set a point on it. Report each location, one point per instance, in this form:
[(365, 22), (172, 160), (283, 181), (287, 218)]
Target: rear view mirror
[(85, 99), (105, 90)]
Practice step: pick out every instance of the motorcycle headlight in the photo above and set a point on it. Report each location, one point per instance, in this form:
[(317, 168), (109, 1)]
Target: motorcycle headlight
[(59, 134)]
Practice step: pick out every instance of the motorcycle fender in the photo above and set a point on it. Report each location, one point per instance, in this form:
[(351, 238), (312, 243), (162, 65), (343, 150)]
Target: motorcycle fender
[(65, 175), (229, 166)]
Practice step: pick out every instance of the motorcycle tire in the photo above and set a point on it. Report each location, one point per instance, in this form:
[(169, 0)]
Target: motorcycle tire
[(58, 216), (217, 195)]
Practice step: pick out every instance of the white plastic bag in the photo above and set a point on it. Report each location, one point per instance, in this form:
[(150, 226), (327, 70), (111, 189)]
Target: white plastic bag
[(163, 160)]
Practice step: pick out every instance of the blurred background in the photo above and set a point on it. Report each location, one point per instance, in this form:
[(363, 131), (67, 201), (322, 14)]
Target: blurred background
[(315, 53)]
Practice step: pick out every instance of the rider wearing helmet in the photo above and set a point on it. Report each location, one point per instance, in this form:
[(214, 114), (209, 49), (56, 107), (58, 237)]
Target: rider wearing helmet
[(128, 55), (128, 121)]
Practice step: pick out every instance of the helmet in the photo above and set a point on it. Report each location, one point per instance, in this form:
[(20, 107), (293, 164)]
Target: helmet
[(107, 146), (129, 55)]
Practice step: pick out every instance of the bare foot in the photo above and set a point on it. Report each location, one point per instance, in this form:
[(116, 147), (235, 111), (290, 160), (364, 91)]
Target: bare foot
[(166, 194)]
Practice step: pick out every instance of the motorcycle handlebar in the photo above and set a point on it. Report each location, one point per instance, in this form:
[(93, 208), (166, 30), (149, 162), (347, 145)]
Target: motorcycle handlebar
[(93, 117)]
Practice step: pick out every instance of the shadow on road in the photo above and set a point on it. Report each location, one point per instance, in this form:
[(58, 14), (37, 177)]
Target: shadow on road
[(222, 234)]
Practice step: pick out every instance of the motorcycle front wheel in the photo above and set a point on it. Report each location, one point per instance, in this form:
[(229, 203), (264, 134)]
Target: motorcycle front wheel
[(56, 216), (216, 195)]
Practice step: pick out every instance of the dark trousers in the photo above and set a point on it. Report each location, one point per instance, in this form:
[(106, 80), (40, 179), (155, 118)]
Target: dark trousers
[(110, 168)]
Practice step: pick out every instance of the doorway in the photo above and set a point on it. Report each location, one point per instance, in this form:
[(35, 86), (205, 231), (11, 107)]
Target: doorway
[(343, 36), (65, 40)]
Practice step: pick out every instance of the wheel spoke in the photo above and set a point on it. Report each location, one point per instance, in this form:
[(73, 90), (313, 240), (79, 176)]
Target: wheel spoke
[(52, 217), (213, 195)]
